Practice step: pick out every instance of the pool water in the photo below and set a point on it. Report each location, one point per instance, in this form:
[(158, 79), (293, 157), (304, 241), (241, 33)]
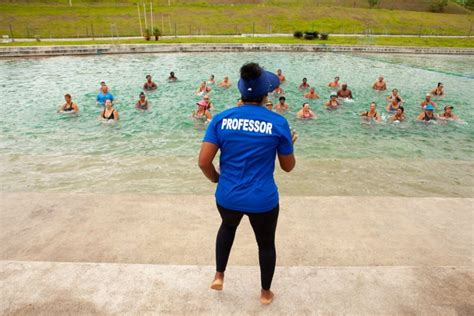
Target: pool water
[(156, 151)]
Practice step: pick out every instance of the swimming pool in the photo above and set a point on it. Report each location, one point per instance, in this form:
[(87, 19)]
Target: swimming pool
[(156, 151)]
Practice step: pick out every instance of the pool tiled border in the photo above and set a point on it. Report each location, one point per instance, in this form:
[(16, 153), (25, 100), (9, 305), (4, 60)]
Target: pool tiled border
[(34, 51)]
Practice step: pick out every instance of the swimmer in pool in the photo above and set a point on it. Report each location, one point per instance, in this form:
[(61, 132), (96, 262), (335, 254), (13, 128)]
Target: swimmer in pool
[(304, 85), (380, 84), (333, 103), (172, 77), (280, 76), (69, 106), (211, 80), (394, 104), (269, 105), (278, 91), (104, 95), (448, 114), (427, 101), (142, 103), (372, 113), (239, 102), (311, 94), (203, 88), (427, 114), (281, 106), (109, 113), (399, 115), (394, 95), (344, 92), (149, 84), (334, 84), (305, 112), (201, 112), (207, 101), (225, 83), (102, 83), (438, 91)]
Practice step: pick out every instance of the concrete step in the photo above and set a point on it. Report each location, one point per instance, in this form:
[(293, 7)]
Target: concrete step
[(57, 288)]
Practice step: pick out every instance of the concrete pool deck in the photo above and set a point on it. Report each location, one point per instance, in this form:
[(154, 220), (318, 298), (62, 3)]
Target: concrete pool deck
[(115, 254), (64, 50)]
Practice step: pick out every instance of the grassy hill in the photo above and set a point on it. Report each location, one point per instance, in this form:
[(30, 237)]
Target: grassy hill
[(49, 18)]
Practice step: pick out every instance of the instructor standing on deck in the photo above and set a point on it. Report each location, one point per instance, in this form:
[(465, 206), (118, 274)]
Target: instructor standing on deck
[(249, 138)]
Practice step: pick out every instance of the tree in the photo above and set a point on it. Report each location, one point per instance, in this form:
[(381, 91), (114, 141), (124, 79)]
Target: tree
[(373, 3), (438, 5)]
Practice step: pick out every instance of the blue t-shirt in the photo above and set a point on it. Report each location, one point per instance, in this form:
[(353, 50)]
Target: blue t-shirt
[(101, 97), (249, 137)]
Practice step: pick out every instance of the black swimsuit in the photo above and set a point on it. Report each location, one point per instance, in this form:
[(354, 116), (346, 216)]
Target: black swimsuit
[(111, 115), (427, 118), (65, 109)]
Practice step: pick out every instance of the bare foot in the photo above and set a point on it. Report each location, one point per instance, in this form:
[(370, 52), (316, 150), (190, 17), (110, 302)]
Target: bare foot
[(218, 282), (266, 297)]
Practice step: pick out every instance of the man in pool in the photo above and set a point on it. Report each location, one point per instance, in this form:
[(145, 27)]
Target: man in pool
[(311, 94), (281, 77), (334, 84), (249, 138), (427, 101), (172, 77), (225, 83), (344, 92), (281, 106), (304, 85), (380, 84), (149, 84), (104, 95)]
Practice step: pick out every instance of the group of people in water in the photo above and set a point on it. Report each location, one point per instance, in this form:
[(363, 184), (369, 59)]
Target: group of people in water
[(340, 94)]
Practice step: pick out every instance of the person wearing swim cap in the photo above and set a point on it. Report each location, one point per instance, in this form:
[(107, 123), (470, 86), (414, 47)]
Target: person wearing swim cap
[(333, 103), (448, 114), (249, 138), (428, 101), (427, 114)]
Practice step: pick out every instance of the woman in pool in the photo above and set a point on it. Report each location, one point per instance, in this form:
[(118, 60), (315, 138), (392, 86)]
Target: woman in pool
[(201, 112), (225, 83), (334, 84), (149, 84), (372, 113), (69, 106), (305, 113), (438, 91), (249, 138), (203, 88), (172, 77), (394, 95), (142, 103), (304, 85), (399, 116), (278, 91), (333, 102), (311, 94), (394, 104), (109, 113), (281, 106), (281, 77), (211, 80), (428, 101), (448, 114), (207, 100), (427, 114)]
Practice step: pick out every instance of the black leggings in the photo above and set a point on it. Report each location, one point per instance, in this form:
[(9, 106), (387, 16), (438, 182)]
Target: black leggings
[(264, 226)]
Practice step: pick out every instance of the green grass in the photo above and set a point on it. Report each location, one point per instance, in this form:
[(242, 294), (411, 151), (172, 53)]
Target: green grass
[(391, 41), (54, 20)]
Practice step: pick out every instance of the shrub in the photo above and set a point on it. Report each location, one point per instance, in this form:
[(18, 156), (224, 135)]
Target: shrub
[(156, 33), (373, 3), (312, 33), (147, 34), (438, 5), (324, 36), (298, 34), (309, 36)]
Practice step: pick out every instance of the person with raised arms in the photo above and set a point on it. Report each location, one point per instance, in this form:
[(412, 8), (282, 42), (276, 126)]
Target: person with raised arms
[(249, 138)]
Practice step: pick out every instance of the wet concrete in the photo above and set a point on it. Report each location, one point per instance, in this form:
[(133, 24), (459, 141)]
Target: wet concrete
[(115, 254)]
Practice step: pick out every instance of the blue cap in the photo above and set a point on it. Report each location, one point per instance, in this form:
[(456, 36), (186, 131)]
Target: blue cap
[(258, 87), (429, 107)]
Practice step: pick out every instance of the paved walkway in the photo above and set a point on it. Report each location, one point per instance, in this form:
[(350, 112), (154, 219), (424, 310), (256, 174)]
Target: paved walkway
[(115, 254)]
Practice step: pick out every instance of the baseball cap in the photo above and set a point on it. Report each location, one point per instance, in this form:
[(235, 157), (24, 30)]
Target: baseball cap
[(333, 94), (260, 86), (448, 107)]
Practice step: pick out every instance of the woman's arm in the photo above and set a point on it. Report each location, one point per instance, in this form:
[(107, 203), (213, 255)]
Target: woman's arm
[(206, 156), (116, 115)]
